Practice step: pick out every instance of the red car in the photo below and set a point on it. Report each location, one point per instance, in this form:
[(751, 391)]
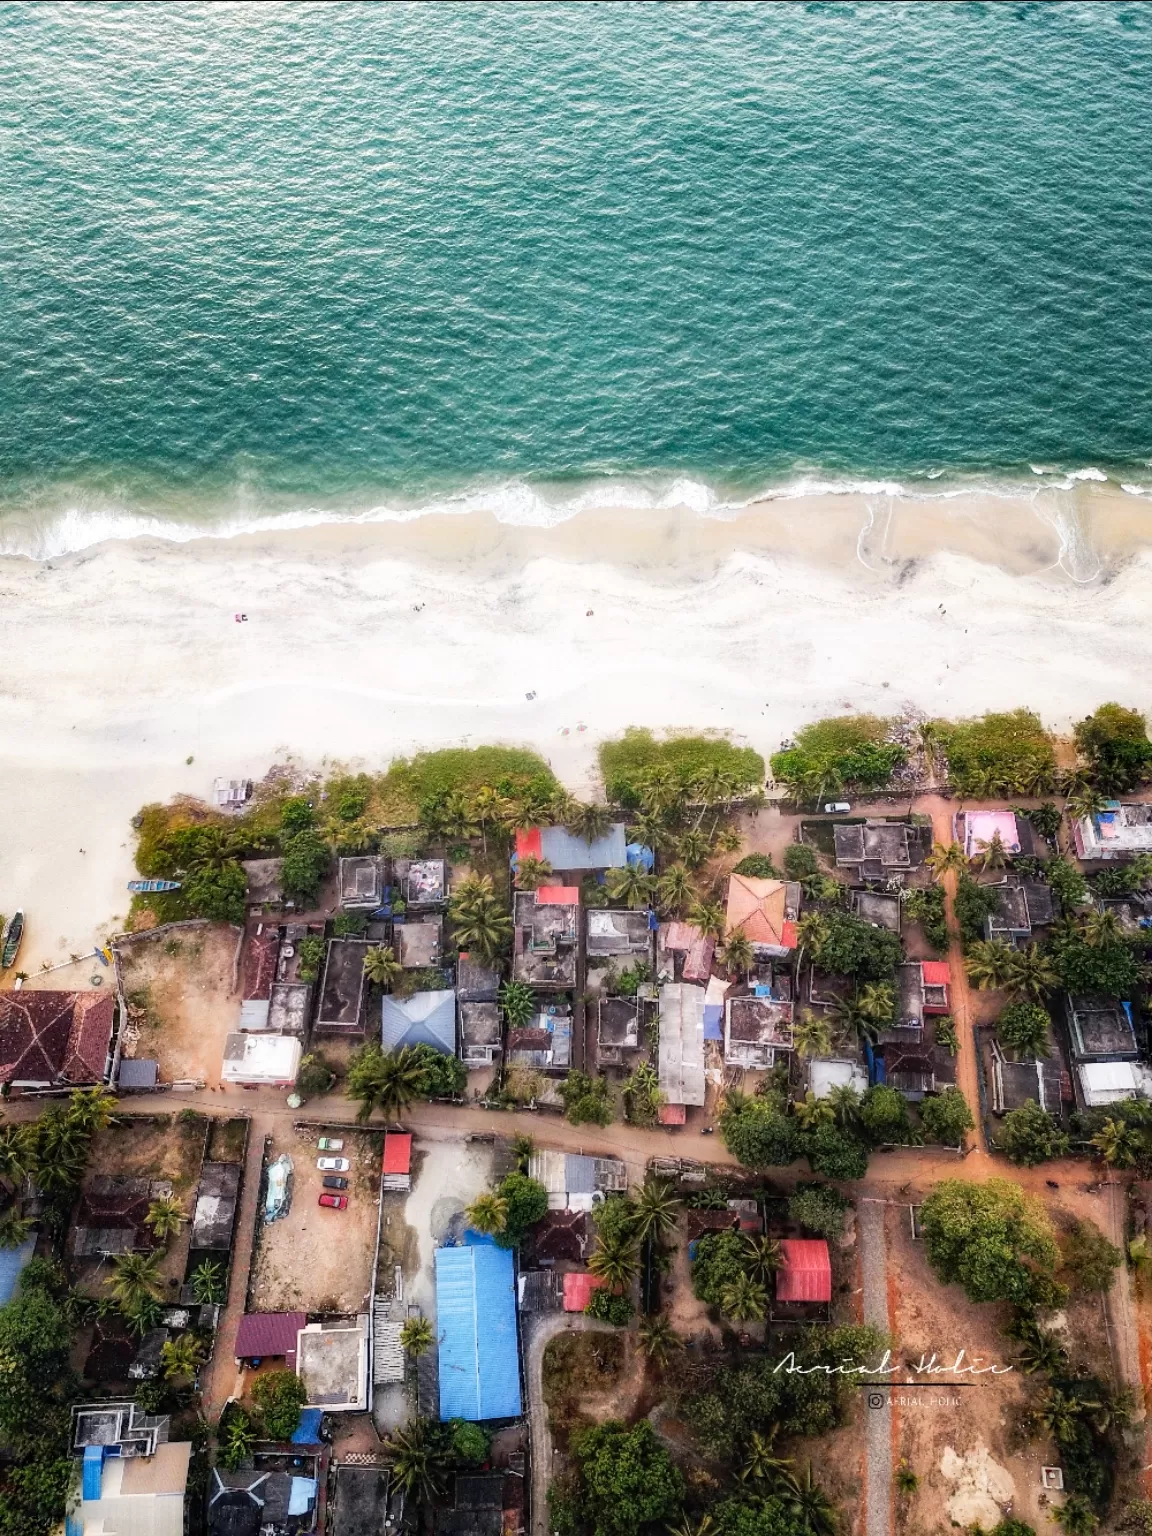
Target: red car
[(334, 1202)]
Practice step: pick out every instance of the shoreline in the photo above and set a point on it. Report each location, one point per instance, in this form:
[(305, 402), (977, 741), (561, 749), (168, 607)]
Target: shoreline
[(366, 642)]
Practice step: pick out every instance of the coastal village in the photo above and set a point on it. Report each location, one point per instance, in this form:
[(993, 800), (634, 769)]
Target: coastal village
[(747, 1148)]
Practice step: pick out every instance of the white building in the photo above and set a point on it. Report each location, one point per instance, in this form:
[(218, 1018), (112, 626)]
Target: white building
[(261, 1060)]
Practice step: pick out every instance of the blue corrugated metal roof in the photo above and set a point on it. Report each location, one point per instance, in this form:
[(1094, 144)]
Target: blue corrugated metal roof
[(93, 1471), (12, 1262), (563, 851), (426, 1018), (476, 1322)]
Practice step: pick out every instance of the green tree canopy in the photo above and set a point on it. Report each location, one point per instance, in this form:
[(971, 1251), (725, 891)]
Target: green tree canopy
[(884, 1114), (526, 1202), (1089, 1258), (830, 757), (1008, 753), (720, 1260), (626, 1478), (945, 1117), (835, 1153), (1029, 1135), (1023, 1028), (848, 946), (818, 1208), (991, 1238), (1113, 743), (34, 1344), (758, 1132)]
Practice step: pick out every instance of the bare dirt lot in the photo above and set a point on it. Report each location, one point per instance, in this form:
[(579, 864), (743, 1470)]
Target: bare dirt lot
[(182, 1000), (316, 1260)]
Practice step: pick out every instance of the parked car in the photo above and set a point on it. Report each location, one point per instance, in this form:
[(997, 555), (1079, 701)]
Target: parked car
[(333, 1164), (837, 808), (334, 1181), (334, 1202), (331, 1144)]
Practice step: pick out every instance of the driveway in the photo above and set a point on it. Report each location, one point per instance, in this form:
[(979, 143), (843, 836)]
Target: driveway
[(538, 1330)]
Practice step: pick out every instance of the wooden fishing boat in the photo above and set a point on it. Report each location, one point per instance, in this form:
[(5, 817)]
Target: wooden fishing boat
[(10, 942), (142, 886)]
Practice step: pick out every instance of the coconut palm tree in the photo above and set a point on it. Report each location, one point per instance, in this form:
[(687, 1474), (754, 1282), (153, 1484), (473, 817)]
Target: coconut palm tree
[(1060, 1414), (419, 1459), (658, 1338), (811, 1112), (692, 848), (590, 821), (182, 1357), (488, 808), (1076, 1517), (518, 1003), (760, 1463), (660, 790), (1084, 802), (488, 1213), (59, 1149), (381, 965), (877, 1002), (631, 885), (812, 932), (845, 1102), (709, 917), (1030, 975), (674, 890), (811, 1506), (208, 1282), (744, 1300), (1102, 927), (989, 964), (993, 855), (1042, 1351), (135, 1278), (761, 1257), (686, 1526), (522, 1150), (945, 857), (91, 1109), (650, 830), (15, 1230), (480, 920), (812, 1035), (165, 1217), (384, 1080), (727, 840), (657, 1204), (1118, 1143), (616, 1260), (532, 873), (416, 1336), (16, 1154), (850, 1019), (739, 956)]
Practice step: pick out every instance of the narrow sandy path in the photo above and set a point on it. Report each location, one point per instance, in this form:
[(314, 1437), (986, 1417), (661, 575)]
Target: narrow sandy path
[(878, 1408)]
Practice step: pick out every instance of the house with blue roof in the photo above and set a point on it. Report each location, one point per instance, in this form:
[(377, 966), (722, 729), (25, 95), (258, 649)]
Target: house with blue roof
[(425, 1018), (476, 1324)]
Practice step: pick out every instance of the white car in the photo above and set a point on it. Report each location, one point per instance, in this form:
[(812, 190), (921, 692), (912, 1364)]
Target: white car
[(333, 1164), (837, 808)]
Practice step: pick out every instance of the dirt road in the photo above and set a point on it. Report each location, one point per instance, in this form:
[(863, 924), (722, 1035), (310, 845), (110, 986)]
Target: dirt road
[(539, 1330)]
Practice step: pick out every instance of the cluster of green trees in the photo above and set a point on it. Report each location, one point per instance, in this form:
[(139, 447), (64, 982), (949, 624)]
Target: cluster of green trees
[(926, 907), (693, 767), (998, 754), (587, 1100), (423, 1454), (733, 1271), (391, 1080), (508, 1212), (842, 755), (1114, 749)]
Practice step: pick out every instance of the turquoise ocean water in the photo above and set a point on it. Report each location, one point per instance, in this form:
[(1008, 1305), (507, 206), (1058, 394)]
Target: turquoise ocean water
[(267, 259)]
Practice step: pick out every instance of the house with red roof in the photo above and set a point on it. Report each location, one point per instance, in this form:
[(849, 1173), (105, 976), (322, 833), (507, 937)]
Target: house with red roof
[(765, 912), (270, 1336), (804, 1278), (56, 1039)]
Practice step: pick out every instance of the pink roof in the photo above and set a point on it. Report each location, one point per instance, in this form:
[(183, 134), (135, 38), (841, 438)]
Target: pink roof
[(937, 973), (805, 1273), (672, 1114), (981, 827), (698, 964), (269, 1335), (558, 896), (529, 844), (578, 1290), (681, 936), (397, 1152)]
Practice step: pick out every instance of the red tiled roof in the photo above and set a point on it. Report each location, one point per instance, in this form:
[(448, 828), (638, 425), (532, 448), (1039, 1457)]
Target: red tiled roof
[(805, 1273), (672, 1114), (264, 1335), (261, 951), (92, 1020), (529, 844), (757, 908), (558, 896), (937, 973), (578, 1290), (48, 1037), (397, 1152)]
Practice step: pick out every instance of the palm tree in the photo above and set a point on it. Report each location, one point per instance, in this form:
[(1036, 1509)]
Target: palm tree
[(416, 1336), (208, 1282), (727, 840), (674, 890), (1030, 974), (419, 1461), (686, 1526), (165, 1217), (945, 857), (16, 1154), (850, 1019), (744, 1300), (591, 821), (1076, 1517), (877, 1002), (811, 1112), (812, 932), (989, 964), (91, 1109), (693, 848), (489, 808), (760, 1463), (135, 1279), (522, 1150), (15, 1230), (661, 790), (480, 920), (59, 1150), (532, 873), (1084, 802), (761, 1257), (993, 855), (236, 1438), (518, 1003), (1118, 1143), (616, 1260), (813, 1509), (381, 965), (1101, 928), (181, 1357), (1042, 1351), (709, 917), (1060, 1414), (631, 885), (488, 1213), (656, 1206), (658, 1338), (650, 830), (739, 956), (845, 1102), (812, 1035), (387, 1081)]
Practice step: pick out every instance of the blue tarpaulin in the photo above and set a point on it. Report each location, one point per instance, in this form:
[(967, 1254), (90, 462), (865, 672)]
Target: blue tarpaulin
[(12, 1262), (640, 857), (302, 1495), (476, 1321), (307, 1432)]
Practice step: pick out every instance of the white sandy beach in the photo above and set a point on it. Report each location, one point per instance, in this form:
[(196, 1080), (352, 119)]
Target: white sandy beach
[(366, 641)]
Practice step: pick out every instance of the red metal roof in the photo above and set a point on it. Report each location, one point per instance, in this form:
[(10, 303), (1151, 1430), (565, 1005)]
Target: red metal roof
[(264, 1335), (578, 1290), (937, 973), (672, 1114), (529, 844), (397, 1152), (805, 1272), (558, 896)]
